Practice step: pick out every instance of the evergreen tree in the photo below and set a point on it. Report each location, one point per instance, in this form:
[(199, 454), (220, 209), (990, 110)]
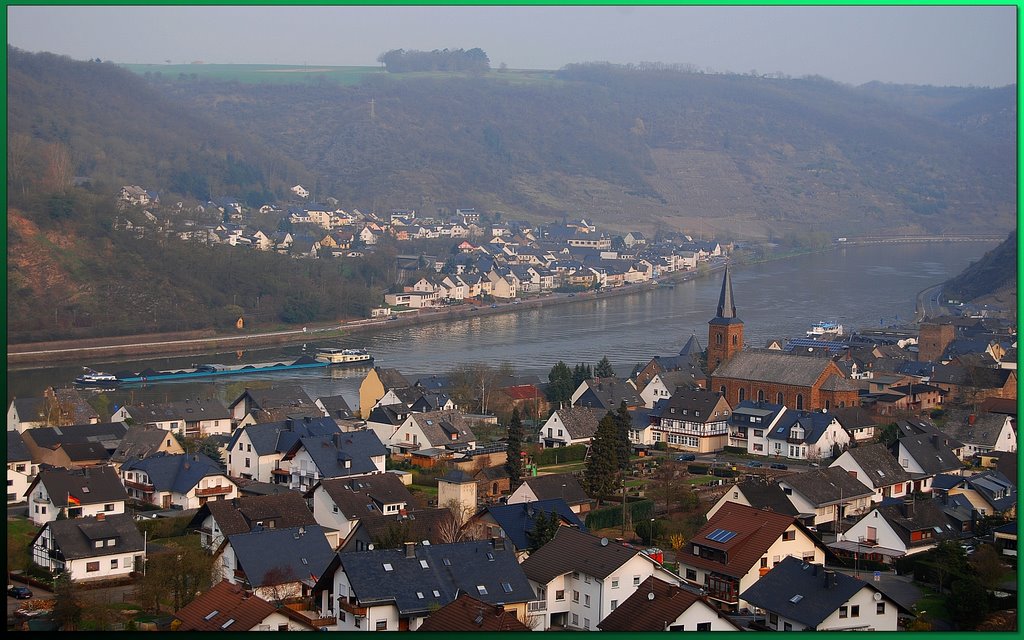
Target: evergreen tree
[(560, 388), (545, 525), (623, 422), (580, 374), (602, 465), (513, 448), (604, 369)]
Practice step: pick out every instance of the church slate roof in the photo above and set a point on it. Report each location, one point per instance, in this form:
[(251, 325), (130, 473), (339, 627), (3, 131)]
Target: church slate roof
[(781, 368)]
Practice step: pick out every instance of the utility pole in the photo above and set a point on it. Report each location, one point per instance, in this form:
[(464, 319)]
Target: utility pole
[(373, 112)]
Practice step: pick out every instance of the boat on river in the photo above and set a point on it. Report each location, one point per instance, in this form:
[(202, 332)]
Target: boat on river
[(825, 328), (324, 357)]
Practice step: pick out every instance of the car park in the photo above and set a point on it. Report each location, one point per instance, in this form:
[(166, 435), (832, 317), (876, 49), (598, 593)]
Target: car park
[(778, 465), (686, 457), (20, 593)]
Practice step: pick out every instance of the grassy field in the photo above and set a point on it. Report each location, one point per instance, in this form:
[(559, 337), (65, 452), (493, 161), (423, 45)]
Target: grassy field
[(20, 532), (293, 74)]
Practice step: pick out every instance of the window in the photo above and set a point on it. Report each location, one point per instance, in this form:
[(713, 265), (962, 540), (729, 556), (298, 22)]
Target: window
[(586, 599), (773, 619), (575, 575), (575, 596), (691, 574), (703, 626), (586, 623), (559, 433), (880, 608), (560, 595), (615, 583), (92, 566), (787, 626), (758, 433), (247, 463), (481, 589), (575, 619), (855, 611), (789, 535), (506, 587), (799, 402), (615, 603), (586, 579), (636, 581), (113, 563), (248, 448), (844, 611), (778, 398), (98, 544), (382, 625), (764, 562)]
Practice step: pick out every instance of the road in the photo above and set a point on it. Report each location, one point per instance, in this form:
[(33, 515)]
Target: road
[(929, 304)]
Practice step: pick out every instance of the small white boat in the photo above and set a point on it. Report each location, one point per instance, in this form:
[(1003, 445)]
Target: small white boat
[(825, 328)]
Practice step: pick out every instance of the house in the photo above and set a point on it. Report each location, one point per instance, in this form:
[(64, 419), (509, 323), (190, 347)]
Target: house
[(255, 451), (607, 394), (74, 446), (20, 469), (805, 383), (177, 481), (192, 417), (142, 441), (657, 605), (989, 492), (569, 426), (436, 526), (801, 596), (738, 545), (875, 467), (93, 548), (299, 555), (339, 503), (897, 528), (26, 413), (336, 455), (77, 492), (860, 424), (378, 381), (925, 456), (466, 613), (758, 494), (447, 431), (271, 405), (749, 424), (219, 518), (563, 486), (229, 607), (800, 435), (824, 497), (300, 191), (1005, 537), (334, 407), (666, 383), (66, 407), (133, 195), (580, 578), (514, 522), (396, 589), (692, 420), (981, 432)]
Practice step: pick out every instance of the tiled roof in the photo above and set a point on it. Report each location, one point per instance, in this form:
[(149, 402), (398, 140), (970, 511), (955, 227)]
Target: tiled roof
[(984, 430), (439, 426), (641, 612), (571, 550), (881, 467), (766, 496), (466, 613), (240, 515), (826, 486), (225, 607), (549, 486), (931, 452), (16, 449), (691, 405), (278, 437), (581, 422), (75, 537), (139, 442), (781, 368), (755, 530), (342, 454), (107, 434), (517, 520), (608, 394), (364, 495)]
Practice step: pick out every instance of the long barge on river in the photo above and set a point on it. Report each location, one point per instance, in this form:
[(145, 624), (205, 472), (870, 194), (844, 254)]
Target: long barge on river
[(325, 357)]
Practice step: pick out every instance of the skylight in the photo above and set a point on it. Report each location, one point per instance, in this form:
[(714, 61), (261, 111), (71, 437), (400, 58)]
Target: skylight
[(481, 589), (388, 567), (419, 594), (447, 562), (437, 594), (227, 624), (879, 472), (423, 563), (797, 598), (506, 587), (721, 535), (211, 615), (490, 556)]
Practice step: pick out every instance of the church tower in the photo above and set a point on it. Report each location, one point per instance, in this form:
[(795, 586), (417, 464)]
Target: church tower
[(725, 330)]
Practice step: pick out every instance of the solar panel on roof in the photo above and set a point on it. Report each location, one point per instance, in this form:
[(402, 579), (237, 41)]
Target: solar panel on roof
[(721, 535)]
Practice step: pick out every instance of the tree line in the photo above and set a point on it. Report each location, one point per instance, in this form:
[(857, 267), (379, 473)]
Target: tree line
[(404, 61)]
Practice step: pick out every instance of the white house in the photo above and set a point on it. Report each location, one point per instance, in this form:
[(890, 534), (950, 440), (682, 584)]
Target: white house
[(657, 605), (92, 548), (20, 470), (876, 468), (339, 503), (572, 425), (300, 191), (177, 481), (84, 492), (799, 435)]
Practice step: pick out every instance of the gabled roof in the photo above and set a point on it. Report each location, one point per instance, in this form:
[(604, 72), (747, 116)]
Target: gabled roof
[(854, 417), (821, 487), (76, 537), (30, 409), (391, 378), (277, 437), (879, 465), (517, 520), (140, 441), (342, 454), (189, 410), (609, 393), (983, 429), (581, 422), (814, 425), (418, 524), (240, 515), (228, 607), (279, 396), (766, 496), (444, 428), (107, 434), (564, 486), (90, 485), (917, 515), (175, 473), (915, 427), (466, 613), (804, 592), (996, 488), (434, 575), (690, 405), (280, 556), (931, 451), (641, 612), (336, 406), (772, 366), (364, 495), (392, 414), (571, 550), (16, 449), (754, 532)]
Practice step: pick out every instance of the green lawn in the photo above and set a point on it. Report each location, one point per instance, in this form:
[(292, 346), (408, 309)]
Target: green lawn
[(694, 480), (932, 605), (20, 532)]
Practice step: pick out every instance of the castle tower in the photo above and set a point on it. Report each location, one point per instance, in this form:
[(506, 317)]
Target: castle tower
[(725, 330)]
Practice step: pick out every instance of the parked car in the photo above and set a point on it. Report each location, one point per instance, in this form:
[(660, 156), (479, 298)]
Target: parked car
[(754, 463), (815, 465), (968, 548), (686, 457), (20, 593), (494, 306), (778, 465)]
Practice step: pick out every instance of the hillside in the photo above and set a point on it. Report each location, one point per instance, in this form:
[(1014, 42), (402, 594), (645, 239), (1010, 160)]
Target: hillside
[(991, 280)]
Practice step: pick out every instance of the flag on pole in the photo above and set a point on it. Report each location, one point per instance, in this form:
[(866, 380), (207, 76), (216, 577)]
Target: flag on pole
[(73, 501)]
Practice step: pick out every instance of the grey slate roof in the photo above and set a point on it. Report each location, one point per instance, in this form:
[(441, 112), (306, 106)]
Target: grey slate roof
[(103, 485), (875, 458), (240, 515), (391, 378), (451, 569), (995, 487), (930, 451), (581, 422), (342, 454), (571, 550), (827, 486), (278, 437), (776, 590), (75, 537), (279, 556), (814, 425), (608, 394), (415, 525), (690, 405), (517, 520), (767, 496), (107, 434), (336, 406), (16, 449), (365, 495), (920, 515), (765, 366), (188, 410), (439, 426), (139, 442), (30, 409), (984, 431), (175, 473), (549, 486)]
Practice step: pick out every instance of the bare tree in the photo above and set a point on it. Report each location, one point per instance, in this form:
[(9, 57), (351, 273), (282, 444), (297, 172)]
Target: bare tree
[(450, 529), (19, 157), (58, 170)]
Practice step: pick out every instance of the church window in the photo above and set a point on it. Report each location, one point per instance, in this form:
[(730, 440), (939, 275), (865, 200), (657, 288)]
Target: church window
[(799, 402), (742, 395), (718, 338), (734, 340), (760, 395), (779, 399)]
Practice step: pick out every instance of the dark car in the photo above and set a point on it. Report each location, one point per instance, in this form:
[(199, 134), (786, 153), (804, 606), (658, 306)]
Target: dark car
[(778, 465), (572, 295), (494, 306), (21, 593), (755, 463), (686, 457)]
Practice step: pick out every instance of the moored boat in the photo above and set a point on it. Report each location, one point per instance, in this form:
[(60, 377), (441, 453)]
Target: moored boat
[(91, 378), (825, 328)]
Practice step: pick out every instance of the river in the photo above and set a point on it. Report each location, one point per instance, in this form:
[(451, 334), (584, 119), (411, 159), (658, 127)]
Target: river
[(863, 286)]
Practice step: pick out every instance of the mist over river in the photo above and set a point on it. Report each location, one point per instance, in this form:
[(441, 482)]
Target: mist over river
[(864, 286)]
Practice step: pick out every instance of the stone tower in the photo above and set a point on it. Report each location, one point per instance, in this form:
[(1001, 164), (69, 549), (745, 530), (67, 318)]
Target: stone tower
[(725, 330)]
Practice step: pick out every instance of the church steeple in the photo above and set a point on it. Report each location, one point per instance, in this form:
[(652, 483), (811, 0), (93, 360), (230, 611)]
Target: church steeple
[(726, 307), (725, 330)]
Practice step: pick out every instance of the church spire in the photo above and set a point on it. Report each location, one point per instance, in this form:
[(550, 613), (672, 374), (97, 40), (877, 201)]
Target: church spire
[(726, 307)]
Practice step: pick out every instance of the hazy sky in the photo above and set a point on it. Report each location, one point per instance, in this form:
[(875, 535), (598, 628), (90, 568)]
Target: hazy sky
[(966, 45)]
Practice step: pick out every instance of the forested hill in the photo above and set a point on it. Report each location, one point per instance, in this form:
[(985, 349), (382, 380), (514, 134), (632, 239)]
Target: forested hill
[(992, 279)]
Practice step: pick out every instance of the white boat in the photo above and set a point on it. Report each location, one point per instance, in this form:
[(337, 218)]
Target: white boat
[(825, 328), (92, 378), (343, 356)]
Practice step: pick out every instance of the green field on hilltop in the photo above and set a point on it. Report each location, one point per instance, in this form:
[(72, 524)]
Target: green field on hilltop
[(294, 74)]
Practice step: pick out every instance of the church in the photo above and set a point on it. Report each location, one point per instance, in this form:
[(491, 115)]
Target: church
[(803, 383)]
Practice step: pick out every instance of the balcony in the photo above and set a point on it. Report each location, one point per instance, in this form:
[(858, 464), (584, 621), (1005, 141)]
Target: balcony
[(213, 491), (144, 487), (536, 605), (281, 472), (347, 605)]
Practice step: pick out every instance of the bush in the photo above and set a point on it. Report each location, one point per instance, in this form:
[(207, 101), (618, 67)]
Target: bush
[(607, 517), (661, 446), (559, 455)]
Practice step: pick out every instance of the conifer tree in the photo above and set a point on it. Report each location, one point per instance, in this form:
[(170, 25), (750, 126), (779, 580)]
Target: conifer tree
[(624, 422), (602, 465), (604, 369), (545, 526), (513, 449), (560, 388)]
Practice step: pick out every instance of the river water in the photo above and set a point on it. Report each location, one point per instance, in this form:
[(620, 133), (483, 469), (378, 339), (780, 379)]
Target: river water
[(858, 286)]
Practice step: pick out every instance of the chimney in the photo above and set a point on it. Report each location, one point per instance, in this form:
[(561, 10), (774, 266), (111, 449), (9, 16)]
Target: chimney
[(830, 578), (410, 549), (288, 422), (100, 517), (935, 440), (971, 418)]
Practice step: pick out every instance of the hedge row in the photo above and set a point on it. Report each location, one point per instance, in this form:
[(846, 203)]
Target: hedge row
[(612, 516), (558, 455)]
